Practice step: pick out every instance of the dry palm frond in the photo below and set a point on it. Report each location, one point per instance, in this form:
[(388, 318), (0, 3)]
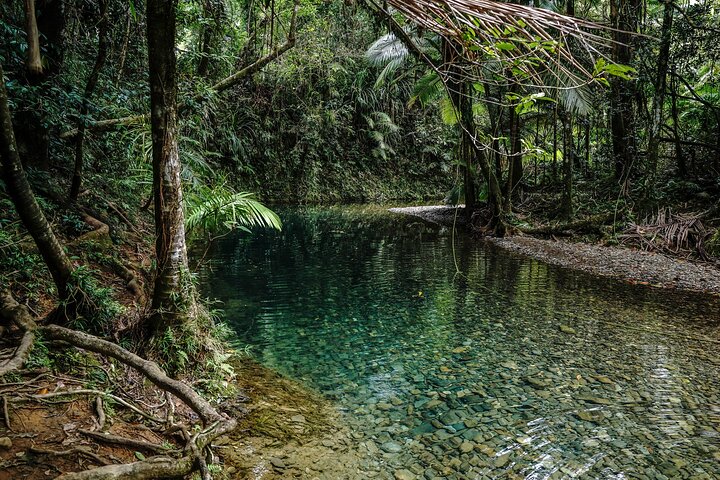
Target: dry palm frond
[(530, 42), (669, 233)]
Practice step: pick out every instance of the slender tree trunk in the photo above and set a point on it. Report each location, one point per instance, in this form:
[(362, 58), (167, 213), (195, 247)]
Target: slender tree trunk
[(587, 146), (461, 97), (659, 84), (27, 207), (89, 89), (568, 161), (173, 298), (34, 62), (516, 154), (679, 155), (555, 144), (124, 47), (624, 17)]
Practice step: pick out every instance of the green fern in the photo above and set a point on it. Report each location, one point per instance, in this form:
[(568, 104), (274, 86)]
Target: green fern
[(219, 209)]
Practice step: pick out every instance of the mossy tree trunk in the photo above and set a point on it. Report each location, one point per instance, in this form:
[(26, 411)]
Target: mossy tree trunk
[(25, 203), (173, 297)]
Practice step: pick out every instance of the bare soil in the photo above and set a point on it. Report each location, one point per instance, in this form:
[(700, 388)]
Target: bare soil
[(284, 431)]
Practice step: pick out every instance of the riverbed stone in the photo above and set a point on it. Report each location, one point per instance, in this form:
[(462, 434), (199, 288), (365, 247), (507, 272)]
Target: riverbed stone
[(404, 474)]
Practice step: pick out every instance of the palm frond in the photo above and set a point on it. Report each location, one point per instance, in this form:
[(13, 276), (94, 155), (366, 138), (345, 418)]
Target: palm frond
[(387, 48), (529, 39), (219, 209)]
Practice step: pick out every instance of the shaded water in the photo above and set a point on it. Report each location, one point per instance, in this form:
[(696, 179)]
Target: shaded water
[(469, 375)]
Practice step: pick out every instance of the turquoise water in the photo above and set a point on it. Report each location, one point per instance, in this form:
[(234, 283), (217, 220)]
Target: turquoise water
[(469, 375)]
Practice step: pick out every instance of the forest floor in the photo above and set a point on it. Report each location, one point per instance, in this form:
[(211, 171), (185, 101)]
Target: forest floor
[(284, 430), (623, 263)]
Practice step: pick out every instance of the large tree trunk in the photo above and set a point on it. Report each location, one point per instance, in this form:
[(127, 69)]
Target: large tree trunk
[(173, 298), (89, 89), (656, 119), (34, 62), (624, 18), (27, 207)]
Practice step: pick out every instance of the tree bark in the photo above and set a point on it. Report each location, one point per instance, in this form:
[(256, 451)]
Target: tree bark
[(170, 302), (89, 89), (25, 203), (34, 62), (624, 18), (659, 84)]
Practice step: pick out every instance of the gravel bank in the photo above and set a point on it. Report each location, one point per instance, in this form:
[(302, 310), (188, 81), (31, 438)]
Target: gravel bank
[(625, 264), (439, 214)]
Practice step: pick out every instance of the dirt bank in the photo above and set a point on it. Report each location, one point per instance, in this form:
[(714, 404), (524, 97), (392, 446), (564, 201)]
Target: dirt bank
[(634, 266)]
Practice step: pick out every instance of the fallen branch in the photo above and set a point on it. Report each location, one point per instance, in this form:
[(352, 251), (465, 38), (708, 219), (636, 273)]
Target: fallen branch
[(6, 413), (100, 412)]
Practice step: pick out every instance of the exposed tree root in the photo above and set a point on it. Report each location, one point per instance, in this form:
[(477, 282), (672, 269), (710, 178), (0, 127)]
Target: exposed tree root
[(128, 442), (152, 468), (84, 451), (215, 423), (18, 314)]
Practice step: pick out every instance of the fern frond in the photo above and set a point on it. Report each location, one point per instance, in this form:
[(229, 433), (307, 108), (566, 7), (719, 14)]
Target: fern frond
[(219, 209)]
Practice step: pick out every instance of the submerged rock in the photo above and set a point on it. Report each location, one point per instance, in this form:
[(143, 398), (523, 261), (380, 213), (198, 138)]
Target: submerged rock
[(593, 416), (391, 447), (404, 474)]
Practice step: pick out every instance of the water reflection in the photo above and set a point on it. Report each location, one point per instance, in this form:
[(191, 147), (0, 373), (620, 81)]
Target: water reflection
[(468, 375)]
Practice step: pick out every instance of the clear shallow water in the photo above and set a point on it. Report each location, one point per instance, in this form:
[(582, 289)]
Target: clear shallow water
[(469, 375)]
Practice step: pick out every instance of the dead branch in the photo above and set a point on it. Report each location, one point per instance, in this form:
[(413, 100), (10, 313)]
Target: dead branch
[(129, 442), (6, 413)]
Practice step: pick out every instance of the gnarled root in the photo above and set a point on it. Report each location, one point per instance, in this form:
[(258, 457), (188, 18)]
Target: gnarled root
[(216, 424)]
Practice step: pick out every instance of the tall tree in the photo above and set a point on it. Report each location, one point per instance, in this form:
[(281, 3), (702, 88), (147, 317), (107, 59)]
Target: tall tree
[(27, 207), (34, 62), (624, 16), (659, 84), (85, 106), (173, 299)]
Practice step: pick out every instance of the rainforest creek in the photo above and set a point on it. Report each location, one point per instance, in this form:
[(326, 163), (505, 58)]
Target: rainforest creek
[(196, 248)]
